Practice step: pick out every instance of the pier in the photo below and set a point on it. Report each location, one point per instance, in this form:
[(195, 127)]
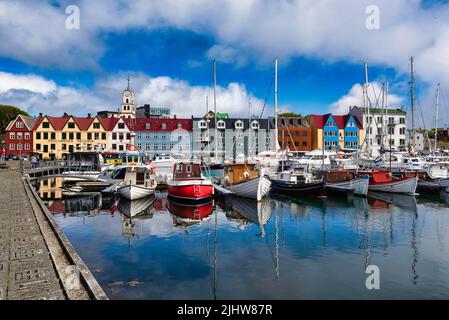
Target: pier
[(37, 262)]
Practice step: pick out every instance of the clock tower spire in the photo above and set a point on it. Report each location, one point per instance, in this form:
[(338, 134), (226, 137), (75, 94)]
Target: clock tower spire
[(128, 106)]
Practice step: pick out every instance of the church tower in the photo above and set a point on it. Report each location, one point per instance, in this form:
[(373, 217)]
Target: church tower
[(128, 107)]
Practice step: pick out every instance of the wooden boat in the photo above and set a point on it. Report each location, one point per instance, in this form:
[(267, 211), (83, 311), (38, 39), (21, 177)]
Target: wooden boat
[(257, 212), (188, 183), (297, 181), (138, 183), (345, 181), (245, 180), (384, 181)]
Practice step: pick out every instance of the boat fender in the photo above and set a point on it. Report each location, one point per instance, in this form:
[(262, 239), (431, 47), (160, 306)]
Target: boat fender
[(226, 180)]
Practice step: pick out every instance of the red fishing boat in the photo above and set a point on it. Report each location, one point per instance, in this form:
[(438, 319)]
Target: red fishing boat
[(188, 183), (384, 181), (189, 214)]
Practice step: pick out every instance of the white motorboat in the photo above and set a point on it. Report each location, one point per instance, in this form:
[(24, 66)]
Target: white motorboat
[(138, 183), (244, 180)]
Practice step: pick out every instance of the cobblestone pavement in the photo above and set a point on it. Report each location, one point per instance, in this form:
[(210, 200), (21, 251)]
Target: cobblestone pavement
[(26, 268)]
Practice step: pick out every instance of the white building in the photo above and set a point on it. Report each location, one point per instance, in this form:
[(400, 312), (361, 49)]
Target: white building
[(128, 106), (394, 124)]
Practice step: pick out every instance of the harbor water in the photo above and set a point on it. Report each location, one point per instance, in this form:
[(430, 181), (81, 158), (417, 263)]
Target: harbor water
[(281, 248)]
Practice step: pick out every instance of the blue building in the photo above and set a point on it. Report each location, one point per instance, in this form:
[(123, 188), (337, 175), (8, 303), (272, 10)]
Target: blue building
[(351, 132)]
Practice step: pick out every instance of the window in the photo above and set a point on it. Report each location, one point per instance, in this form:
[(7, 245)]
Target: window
[(221, 124), (103, 135), (239, 125), (38, 135), (188, 168), (402, 131), (71, 135), (179, 126), (11, 146), (19, 124), (27, 136), (53, 136), (71, 125), (147, 126), (164, 147), (96, 125), (12, 135), (45, 135), (147, 135), (155, 136), (53, 146), (120, 147), (163, 136), (38, 146), (171, 146), (96, 136), (155, 147), (128, 136), (164, 126), (64, 146), (304, 144), (255, 125), (45, 148), (147, 146), (114, 136), (202, 124), (78, 135), (120, 136), (139, 146), (89, 136), (179, 168), (45, 125), (27, 146), (114, 147), (402, 120), (121, 125)]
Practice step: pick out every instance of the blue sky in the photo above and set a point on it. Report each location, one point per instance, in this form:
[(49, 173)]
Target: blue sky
[(168, 48)]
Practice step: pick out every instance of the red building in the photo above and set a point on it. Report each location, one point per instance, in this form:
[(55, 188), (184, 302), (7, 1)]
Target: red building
[(19, 136)]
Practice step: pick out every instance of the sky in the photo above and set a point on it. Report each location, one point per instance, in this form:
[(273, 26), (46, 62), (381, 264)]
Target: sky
[(51, 64)]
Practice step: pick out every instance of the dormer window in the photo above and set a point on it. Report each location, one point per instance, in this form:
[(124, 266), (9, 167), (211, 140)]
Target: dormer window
[(164, 126), (147, 126), (202, 124), (239, 124), (19, 124), (255, 125), (221, 124), (71, 125)]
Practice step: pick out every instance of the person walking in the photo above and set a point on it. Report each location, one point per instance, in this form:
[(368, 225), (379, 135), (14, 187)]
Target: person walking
[(34, 161)]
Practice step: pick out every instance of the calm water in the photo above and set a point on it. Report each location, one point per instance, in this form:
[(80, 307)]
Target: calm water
[(278, 249)]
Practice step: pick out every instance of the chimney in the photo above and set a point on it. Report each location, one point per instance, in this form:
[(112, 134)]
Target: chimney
[(88, 115), (40, 114)]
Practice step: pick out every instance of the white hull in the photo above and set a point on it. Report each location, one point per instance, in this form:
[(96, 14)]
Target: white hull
[(256, 188), (402, 186), (359, 186), (132, 192)]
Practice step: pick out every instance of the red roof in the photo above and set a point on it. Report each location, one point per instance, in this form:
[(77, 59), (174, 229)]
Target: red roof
[(340, 121), (320, 119), (83, 123), (108, 123), (155, 124)]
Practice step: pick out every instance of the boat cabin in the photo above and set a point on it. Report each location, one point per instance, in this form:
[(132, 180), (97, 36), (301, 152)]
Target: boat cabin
[(240, 172), (84, 161), (138, 176), (187, 170), (131, 158)]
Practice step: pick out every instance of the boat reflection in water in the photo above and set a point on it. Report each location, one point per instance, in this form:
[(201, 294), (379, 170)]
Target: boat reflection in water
[(185, 215), (82, 206), (251, 210), (400, 200), (134, 208)]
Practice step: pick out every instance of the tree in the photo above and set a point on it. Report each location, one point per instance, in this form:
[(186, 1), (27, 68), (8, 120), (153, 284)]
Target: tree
[(290, 114), (8, 113)]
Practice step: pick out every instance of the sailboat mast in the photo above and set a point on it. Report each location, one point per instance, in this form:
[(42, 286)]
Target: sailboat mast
[(412, 101), (367, 108), (249, 128), (276, 105), (436, 116), (215, 111)]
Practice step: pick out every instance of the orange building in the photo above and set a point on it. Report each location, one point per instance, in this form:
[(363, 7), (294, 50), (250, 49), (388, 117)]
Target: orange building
[(294, 134)]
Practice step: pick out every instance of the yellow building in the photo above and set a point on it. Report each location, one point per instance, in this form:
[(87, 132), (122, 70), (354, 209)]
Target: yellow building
[(54, 137)]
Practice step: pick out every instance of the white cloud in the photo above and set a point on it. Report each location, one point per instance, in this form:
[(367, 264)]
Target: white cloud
[(27, 82), (226, 54), (355, 98), (36, 94)]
